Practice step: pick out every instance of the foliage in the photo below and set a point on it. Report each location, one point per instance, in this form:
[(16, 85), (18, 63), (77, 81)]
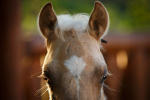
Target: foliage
[(125, 15)]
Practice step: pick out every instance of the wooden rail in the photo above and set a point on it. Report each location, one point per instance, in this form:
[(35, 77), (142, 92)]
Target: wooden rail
[(130, 83)]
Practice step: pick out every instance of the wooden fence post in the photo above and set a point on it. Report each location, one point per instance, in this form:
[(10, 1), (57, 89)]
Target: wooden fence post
[(10, 50)]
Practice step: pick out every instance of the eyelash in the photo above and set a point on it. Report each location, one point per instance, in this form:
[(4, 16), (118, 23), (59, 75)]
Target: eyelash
[(46, 75), (45, 78)]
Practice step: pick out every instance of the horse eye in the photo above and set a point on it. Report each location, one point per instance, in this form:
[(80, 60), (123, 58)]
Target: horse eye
[(45, 78), (46, 75), (103, 78)]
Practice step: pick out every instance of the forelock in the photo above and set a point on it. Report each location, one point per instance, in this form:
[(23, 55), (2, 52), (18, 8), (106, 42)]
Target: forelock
[(77, 22)]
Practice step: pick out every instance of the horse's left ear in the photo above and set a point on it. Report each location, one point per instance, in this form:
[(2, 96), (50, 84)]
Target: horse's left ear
[(99, 21)]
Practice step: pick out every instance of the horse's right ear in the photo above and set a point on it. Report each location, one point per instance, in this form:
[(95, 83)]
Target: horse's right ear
[(47, 20)]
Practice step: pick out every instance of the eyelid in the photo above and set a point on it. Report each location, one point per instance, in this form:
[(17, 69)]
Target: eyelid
[(46, 74), (42, 76)]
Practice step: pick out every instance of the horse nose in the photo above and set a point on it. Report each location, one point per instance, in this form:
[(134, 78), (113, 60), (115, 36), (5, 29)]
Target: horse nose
[(104, 75)]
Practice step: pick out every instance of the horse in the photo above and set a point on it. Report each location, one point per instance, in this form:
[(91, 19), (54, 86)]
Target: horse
[(74, 67)]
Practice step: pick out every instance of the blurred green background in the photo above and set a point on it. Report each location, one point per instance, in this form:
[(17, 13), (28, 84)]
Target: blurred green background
[(126, 16)]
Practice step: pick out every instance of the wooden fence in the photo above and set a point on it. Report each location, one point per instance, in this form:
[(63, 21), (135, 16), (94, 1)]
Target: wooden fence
[(127, 58)]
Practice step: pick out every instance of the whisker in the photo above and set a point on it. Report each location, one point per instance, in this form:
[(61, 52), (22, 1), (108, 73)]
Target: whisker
[(108, 91), (39, 92), (109, 73), (118, 81), (114, 76), (44, 92), (36, 74), (106, 86)]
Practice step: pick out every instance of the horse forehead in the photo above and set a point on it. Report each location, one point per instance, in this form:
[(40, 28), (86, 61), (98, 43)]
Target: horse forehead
[(75, 65), (86, 48)]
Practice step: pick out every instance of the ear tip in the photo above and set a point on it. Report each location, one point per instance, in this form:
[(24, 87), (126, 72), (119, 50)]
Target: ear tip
[(98, 3), (48, 4)]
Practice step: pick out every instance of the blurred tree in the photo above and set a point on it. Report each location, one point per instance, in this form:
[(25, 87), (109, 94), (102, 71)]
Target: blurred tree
[(125, 15), (139, 14), (31, 9)]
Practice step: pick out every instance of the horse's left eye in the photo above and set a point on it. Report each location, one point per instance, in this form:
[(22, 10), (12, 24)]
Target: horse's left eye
[(103, 78)]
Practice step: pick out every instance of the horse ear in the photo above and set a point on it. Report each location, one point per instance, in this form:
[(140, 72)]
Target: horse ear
[(99, 21), (47, 20)]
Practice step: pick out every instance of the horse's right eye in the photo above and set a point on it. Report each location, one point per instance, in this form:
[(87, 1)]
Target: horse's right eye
[(103, 78), (45, 78)]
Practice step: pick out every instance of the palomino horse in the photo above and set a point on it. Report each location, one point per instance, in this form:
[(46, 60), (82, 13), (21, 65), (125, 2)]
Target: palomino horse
[(74, 67)]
